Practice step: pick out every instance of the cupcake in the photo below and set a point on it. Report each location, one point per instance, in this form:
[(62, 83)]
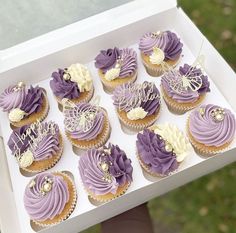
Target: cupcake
[(106, 173), (36, 147), (159, 50), (116, 67), (50, 198), (211, 129), (161, 149), (86, 124), (137, 105), (24, 106), (184, 89), (74, 83)]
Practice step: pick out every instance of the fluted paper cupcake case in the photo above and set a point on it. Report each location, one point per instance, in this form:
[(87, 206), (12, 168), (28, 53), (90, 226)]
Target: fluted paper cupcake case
[(99, 141), (69, 207), (47, 163), (180, 108), (109, 86), (41, 115)]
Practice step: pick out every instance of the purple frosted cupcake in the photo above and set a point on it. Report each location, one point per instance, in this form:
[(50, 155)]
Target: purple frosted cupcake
[(106, 173), (211, 129), (159, 50), (116, 67), (36, 147), (184, 89), (86, 124), (24, 106), (50, 198), (137, 105), (74, 83), (161, 149)]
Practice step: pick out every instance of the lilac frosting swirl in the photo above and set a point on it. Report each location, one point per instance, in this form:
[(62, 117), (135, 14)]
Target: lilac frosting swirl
[(12, 98), (62, 88), (167, 41), (120, 170), (44, 207), (127, 93), (209, 132), (187, 96), (151, 149), (97, 124)]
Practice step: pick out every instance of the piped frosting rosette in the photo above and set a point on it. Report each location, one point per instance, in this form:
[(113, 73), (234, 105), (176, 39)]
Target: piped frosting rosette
[(86, 124), (74, 83), (36, 147), (159, 50), (161, 148), (24, 106), (137, 105), (106, 173), (116, 66), (211, 129), (50, 198)]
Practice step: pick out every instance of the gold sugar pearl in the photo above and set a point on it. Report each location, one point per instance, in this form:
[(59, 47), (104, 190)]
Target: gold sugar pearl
[(104, 166), (202, 111), (168, 147)]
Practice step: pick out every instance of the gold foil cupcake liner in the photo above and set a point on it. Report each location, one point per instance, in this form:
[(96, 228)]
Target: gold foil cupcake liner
[(72, 202)]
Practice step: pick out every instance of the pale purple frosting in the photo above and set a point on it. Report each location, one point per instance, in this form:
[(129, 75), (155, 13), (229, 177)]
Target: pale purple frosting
[(44, 207), (123, 92), (63, 88), (120, 169), (187, 96), (167, 41), (12, 98), (151, 149), (209, 132), (97, 124)]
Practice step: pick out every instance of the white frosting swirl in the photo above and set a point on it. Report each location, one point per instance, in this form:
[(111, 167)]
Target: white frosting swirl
[(16, 115), (113, 73), (157, 57), (26, 159), (136, 113)]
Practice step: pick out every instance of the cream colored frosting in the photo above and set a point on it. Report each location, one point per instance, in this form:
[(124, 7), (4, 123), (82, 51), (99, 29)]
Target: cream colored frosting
[(113, 73), (81, 75), (176, 138), (26, 159), (157, 57), (136, 113), (16, 115)]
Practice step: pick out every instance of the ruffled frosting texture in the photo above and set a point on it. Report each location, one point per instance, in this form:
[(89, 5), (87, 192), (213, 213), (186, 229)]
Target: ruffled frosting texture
[(43, 207), (209, 132), (120, 170), (167, 41), (12, 98), (63, 88), (151, 149)]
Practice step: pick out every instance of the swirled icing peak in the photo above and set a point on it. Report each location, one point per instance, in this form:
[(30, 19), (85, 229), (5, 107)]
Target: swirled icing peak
[(212, 125), (46, 196)]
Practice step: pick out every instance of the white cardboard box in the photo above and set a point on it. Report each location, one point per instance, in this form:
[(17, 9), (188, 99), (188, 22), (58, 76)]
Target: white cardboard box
[(34, 61)]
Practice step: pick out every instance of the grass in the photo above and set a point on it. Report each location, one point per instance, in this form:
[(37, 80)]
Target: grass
[(209, 203)]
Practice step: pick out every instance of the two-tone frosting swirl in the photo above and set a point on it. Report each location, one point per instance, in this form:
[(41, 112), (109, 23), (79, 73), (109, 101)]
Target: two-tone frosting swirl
[(103, 171), (167, 41), (212, 130), (44, 206)]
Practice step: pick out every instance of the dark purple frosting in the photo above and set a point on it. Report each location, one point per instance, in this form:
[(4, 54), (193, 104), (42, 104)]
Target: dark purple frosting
[(33, 100), (63, 88), (151, 149), (106, 59)]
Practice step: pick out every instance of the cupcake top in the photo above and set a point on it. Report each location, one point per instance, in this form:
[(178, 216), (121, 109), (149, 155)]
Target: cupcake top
[(103, 170), (35, 142), (46, 196), (186, 84), (20, 102), (117, 63), (161, 148), (71, 81), (83, 121), (137, 100), (160, 46), (212, 125)]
